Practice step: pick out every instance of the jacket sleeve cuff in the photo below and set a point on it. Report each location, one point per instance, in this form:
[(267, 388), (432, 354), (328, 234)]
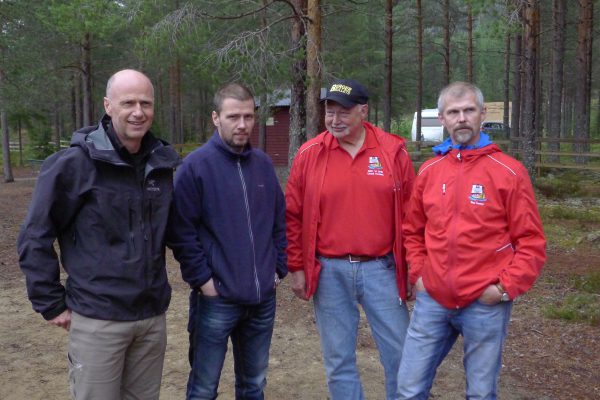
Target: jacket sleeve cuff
[(55, 312)]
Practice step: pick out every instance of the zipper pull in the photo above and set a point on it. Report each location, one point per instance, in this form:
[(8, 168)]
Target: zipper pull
[(458, 156), (443, 189)]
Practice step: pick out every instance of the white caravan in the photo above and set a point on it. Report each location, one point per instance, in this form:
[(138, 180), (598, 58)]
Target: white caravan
[(431, 127)]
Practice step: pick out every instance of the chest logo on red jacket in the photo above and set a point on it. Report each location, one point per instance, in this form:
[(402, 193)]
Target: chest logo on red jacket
[(477, 194), (375, 167)]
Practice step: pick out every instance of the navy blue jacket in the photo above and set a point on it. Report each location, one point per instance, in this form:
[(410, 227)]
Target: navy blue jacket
[(109, 212), (228, 222)]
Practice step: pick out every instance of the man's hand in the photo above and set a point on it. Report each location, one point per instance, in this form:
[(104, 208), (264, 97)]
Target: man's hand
[(299, 284), (411, 292), (419, 286), (208, 289), (63, 320), (491, 295)]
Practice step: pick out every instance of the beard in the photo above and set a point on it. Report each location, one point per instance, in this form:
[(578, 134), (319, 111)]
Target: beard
[(463, 135)]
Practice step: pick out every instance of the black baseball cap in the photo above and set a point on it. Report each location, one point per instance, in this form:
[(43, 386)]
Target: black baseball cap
[(347, 92)]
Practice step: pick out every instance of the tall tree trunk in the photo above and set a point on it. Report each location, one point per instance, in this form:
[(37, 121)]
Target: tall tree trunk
[(20, 133), (56, 126), (582, 79), (297, 96), (515, 129), (175, 101), (313, 67), (419, 10), (7, 167), (387, 92), (531, 18), (446, 42), (262, 123), (506, 116), (470, 76), (8, 175), (567, 111), (556, 84), (76, 113), (264, 109), (86, 74)]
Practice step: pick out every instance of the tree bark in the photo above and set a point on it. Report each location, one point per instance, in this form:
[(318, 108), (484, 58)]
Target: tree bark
[(419, 10), (387, 93), (582, 79), (470, 76), (7, 167), (446, 42), (506, 115), (515, 129), (313, 67), (529, 134), (297, 134), (175, 102), (556, 84), (86, 72)]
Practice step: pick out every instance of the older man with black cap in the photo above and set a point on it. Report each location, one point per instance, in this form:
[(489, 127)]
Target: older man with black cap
[(345, 203)]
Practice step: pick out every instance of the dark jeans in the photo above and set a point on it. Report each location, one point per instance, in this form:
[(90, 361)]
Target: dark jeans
[(212, 321)]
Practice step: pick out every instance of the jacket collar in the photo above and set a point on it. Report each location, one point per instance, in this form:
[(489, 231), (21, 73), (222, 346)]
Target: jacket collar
[(216, 141), (447, 145), (102, 144)]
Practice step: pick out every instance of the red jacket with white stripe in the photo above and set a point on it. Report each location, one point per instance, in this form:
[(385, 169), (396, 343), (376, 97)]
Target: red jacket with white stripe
[(472, 221)]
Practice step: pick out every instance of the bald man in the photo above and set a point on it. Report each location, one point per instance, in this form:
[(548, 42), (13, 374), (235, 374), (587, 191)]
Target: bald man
[(106, 200)]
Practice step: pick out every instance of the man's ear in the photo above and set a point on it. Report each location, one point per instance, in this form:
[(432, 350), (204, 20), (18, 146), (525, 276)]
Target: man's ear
[(215, 119), (107, 107)]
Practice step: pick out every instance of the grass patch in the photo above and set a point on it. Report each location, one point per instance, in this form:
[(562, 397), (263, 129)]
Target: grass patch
[(564, 184), (562, 212), (582, 306), (579, 307)]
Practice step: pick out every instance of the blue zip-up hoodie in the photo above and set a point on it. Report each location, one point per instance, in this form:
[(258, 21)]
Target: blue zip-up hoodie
[(228, 222)]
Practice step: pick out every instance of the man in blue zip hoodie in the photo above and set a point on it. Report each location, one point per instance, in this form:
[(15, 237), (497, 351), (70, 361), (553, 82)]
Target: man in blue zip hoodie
[(227, 231), (106, 199)]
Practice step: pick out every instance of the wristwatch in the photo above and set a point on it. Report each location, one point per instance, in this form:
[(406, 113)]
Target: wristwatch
[(503, 291)]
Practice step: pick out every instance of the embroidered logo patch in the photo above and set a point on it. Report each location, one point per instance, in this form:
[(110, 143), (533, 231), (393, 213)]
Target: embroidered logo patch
[(375, 167), (151, 186), (477, 194)]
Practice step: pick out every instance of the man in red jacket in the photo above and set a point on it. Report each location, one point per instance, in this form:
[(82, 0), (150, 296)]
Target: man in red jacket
[(344, 201), (474, 242)]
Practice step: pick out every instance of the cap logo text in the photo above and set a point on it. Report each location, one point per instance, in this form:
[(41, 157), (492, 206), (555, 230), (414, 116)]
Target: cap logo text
[(341, 88)]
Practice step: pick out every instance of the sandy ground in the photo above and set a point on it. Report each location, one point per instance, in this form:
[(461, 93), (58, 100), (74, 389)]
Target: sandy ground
[(544, 359)]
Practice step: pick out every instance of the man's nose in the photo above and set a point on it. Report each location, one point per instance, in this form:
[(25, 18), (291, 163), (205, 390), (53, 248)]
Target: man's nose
[(137, 110)]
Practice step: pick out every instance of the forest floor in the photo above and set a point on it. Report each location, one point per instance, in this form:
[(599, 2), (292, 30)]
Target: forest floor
[(543, 358)]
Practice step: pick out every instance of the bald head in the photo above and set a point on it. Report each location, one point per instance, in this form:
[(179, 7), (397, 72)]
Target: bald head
[(129, 102), (124, 76)]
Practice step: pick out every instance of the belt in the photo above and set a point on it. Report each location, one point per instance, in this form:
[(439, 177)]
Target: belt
[(355, 259)]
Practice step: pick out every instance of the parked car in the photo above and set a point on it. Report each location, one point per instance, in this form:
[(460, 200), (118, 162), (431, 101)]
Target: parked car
[(494, 129)]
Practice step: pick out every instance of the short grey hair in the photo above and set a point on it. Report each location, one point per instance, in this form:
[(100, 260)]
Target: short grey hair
[(458, 90)]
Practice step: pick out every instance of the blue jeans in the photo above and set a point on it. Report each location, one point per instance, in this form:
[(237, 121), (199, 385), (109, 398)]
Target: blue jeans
[(431, 334), (212, 321), (342, 287)]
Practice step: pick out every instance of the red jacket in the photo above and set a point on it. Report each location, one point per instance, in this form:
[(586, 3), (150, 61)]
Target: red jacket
[(303, 193), (473, 221)]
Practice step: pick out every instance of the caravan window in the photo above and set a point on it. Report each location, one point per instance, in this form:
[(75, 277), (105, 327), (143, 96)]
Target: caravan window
[(428, 121)]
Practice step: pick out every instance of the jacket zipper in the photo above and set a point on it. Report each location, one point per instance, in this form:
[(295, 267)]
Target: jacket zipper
[(251, 235), (452, 239)]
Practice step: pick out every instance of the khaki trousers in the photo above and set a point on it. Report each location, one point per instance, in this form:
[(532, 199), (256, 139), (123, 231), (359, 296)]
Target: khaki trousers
[(116, 360)]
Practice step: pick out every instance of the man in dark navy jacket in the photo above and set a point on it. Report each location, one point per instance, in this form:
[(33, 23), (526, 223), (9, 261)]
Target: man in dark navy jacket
[(227, 231), (106, 199)]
